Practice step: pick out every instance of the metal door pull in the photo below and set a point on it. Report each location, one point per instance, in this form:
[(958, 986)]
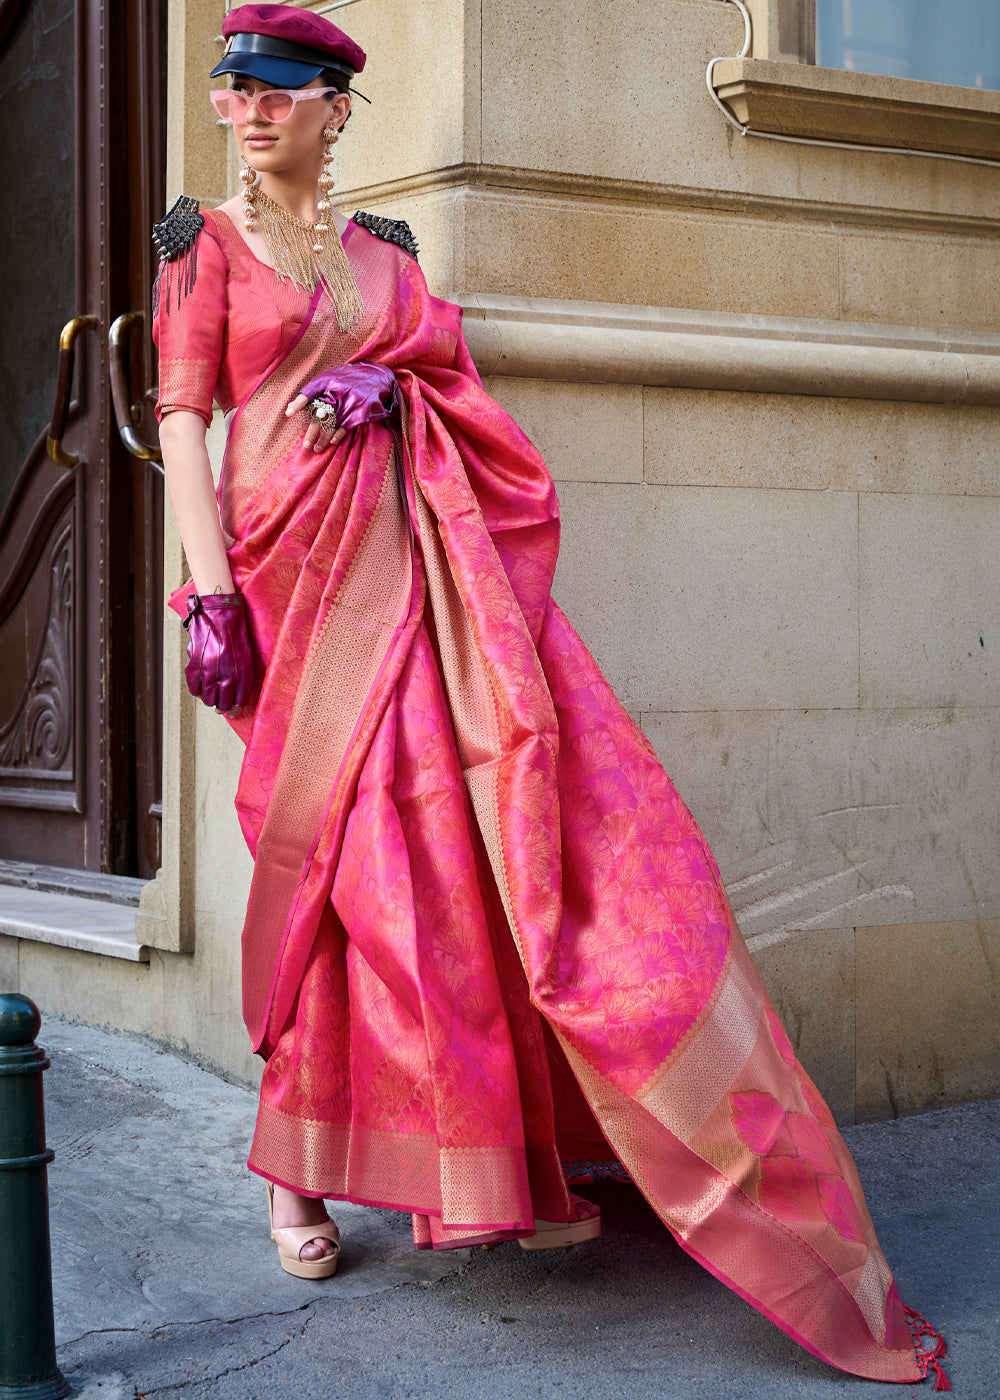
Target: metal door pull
[(64, 390), (128, 414)]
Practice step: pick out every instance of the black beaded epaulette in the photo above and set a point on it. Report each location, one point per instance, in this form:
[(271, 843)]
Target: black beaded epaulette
[(178, 228), (392, 230), (174, 237)]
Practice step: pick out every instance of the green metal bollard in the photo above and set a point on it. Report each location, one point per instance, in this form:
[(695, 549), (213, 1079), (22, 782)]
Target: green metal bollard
[(28, 1369)]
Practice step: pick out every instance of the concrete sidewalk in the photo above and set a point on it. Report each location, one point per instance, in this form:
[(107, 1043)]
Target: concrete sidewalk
[(167, 1285)]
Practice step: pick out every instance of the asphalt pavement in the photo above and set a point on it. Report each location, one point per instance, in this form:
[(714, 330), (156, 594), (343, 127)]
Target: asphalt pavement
[(166, 1283)]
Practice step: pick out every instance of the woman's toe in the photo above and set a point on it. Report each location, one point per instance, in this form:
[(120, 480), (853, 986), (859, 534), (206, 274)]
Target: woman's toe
[(318, 1248)]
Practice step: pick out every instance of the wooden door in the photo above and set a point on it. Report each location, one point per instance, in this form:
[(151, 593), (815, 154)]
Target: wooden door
[(81, 165)]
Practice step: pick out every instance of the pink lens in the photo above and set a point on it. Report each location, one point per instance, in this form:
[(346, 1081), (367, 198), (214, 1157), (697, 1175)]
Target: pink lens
[(273, 104)]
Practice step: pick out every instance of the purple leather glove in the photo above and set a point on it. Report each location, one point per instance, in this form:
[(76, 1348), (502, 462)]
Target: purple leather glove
[(359, 393), (220, 670)]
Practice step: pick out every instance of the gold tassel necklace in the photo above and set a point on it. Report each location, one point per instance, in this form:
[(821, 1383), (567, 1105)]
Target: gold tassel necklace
[(309, 254)]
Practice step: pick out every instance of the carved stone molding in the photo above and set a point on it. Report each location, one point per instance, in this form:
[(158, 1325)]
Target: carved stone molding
[(605, 343), (38, 736)]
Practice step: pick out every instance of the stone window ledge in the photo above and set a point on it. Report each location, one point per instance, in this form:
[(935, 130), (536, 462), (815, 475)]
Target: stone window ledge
[(829, 104)]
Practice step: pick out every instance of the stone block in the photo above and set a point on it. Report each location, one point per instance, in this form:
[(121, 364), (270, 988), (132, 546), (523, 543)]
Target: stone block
[(798, 99), (99, 991), (224, 866), (8, 964), (703, 438), (204, 994), (701, 599), (415, 78), (608, 110), (591, 249), (810, 978), (834, 818), (585, 432), (928, 1015), (921, 281), (197, 150), (929, 600)]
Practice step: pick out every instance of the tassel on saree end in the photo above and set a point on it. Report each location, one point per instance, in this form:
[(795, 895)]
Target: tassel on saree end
[(942, 1382), (928, 1357)]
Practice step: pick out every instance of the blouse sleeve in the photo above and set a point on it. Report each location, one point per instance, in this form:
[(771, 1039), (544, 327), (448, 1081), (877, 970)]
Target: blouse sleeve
[(189, 321)]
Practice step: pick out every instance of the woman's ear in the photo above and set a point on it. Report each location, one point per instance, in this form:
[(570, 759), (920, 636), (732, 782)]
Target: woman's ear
[(340, 110)]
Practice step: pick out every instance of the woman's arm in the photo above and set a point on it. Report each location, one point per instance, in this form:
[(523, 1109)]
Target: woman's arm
[(192, 494)]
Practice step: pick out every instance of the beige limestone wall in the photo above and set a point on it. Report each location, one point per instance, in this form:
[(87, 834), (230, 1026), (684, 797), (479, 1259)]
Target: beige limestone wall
[(797, 599), (595, 167), (794, 594)]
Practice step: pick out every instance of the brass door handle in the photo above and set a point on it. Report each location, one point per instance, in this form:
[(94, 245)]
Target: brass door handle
[(128, 414), (64, 389)]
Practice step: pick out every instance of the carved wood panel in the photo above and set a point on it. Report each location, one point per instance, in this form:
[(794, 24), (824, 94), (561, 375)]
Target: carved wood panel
[(37, 673)]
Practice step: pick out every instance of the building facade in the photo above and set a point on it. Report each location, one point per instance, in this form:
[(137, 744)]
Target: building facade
[(765, 374)]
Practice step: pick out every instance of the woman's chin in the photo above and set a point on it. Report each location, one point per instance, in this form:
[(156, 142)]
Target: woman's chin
[(263, 157)]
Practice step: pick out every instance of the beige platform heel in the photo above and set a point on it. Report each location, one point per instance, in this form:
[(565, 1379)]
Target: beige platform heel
[(557, 1234), (291, 1238)]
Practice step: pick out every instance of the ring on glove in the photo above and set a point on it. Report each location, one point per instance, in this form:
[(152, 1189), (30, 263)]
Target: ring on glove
[(322, 413), (351, 396)]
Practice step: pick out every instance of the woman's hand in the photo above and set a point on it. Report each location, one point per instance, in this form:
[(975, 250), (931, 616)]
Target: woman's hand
[(220, 668), (318, 436), (353, 395)]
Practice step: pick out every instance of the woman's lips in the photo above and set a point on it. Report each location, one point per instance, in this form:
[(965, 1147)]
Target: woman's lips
[(260, 142)]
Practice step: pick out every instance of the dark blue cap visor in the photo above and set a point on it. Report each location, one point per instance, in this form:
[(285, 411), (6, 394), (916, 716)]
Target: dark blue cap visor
[(276, 72)]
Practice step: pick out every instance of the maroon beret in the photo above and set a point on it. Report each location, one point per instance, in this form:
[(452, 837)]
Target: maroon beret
[(266, 39)]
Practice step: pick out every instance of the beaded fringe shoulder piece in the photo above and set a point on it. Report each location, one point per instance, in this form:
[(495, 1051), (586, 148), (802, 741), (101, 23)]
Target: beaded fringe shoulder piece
[(392, 230), (175, 237)]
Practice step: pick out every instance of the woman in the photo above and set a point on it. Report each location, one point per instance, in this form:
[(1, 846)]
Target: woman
[(484, 934)]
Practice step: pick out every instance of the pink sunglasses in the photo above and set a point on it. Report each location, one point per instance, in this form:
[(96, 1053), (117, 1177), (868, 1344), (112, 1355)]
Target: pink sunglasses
[(274, 104)]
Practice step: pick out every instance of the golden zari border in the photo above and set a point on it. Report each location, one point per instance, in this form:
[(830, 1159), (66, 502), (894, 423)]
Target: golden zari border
[(468, 1187), (338, 676)]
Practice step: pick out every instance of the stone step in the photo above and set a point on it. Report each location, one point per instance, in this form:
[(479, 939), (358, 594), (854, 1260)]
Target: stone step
[(89, 924)]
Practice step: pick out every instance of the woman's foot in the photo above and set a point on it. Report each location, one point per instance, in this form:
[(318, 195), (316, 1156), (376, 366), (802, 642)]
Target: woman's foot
[(292, 1210)]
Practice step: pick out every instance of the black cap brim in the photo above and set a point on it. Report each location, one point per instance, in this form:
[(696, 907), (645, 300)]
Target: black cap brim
[(276, 72)]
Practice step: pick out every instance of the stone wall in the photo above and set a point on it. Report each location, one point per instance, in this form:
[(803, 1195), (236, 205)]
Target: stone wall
[(794, 593)]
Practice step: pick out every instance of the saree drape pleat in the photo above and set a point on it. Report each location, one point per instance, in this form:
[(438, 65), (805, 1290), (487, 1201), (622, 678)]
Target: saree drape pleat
[(472, 875)]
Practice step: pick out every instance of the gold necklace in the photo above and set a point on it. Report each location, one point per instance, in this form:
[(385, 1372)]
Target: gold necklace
[(301, 255)]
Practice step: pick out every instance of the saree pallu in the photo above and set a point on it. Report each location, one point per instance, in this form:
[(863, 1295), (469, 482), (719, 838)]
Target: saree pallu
[(484, 933)]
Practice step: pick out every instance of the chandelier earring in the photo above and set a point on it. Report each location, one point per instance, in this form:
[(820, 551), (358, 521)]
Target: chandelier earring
[(249, 178), (326, 182)]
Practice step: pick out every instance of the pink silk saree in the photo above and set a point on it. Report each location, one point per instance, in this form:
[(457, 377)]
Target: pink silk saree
[(484, 933)]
